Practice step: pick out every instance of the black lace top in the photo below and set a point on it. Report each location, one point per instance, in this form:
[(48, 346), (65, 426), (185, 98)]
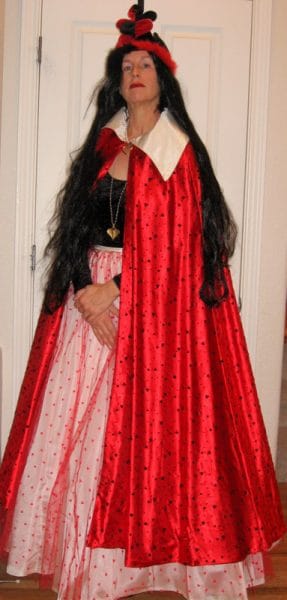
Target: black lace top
[(103, 222), (103, 212)]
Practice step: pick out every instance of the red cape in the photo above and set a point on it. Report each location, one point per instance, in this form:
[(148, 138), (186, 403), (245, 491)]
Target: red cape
[(187, 474)]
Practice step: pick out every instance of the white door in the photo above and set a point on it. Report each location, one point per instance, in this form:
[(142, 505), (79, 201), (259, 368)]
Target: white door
[(210, 41)]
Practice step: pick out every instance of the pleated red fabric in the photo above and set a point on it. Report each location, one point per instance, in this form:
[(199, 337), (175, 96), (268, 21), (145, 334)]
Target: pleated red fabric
[(25, 419), (187, 475)]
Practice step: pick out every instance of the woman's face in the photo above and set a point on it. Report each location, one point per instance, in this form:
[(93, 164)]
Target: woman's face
[(139, 81)]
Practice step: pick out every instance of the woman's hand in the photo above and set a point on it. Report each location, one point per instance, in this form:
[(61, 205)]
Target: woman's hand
[(95, 299), (95, 303), (103, 327)]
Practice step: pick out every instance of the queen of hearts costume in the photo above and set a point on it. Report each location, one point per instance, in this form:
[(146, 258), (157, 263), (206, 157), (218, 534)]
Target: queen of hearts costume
[(145, 467)]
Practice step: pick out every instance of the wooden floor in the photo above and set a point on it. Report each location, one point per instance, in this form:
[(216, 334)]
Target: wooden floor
[(274, 589)]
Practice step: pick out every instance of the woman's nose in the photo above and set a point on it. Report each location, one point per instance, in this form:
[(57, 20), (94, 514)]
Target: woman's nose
[(135, 71)]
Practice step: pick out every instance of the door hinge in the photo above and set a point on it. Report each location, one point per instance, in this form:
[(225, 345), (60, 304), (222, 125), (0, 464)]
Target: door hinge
[(239, 303), (33, 257), (39, 50)]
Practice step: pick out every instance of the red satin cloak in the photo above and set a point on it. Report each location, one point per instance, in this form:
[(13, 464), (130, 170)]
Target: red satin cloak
[(187, 474)]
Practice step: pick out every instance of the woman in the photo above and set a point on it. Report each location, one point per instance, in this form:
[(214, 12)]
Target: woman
[(138, 459)]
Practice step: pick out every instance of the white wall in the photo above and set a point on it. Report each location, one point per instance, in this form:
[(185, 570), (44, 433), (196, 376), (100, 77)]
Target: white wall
[(2, 15), (2, 7), (273, 275), (8, 191)]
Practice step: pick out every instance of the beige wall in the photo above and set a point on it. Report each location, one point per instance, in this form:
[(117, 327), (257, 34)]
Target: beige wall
[(273, 276), (1, 48), (1, 79), (8, 194)]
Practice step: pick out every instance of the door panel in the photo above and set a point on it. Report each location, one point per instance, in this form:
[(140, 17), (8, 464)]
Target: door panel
[(209, 40)]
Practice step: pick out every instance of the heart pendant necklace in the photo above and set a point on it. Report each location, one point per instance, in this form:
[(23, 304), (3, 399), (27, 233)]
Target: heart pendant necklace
[(113, 231)]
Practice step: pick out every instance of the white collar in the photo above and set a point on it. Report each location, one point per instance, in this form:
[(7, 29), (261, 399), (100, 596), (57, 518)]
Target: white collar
[(164, 144)]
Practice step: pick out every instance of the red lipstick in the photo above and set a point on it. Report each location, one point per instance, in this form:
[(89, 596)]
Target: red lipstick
[(135, 85)]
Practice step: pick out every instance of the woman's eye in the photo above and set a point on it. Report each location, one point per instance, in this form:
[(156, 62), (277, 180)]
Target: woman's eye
[(126, 68), (146, 65)]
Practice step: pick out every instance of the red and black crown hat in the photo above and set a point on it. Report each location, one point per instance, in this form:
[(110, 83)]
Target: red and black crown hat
[(136, 31)]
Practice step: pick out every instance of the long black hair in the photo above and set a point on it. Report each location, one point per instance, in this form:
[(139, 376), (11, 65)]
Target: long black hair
[(72, 222)]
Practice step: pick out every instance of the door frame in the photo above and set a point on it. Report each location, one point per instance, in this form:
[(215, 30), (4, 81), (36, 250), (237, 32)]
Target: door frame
[(27, 177)]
